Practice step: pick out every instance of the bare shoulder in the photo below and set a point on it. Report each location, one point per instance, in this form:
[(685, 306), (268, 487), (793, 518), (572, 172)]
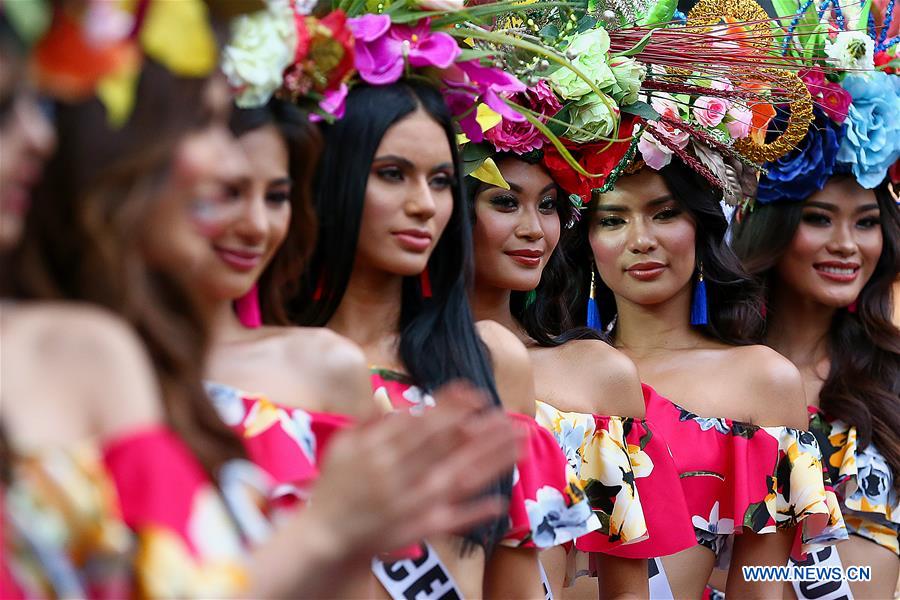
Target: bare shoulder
[(608, 376), (774, 384), (513, 373), (93, 358), (333, 366)]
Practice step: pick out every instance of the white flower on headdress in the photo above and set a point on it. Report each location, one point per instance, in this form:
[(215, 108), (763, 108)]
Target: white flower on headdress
[(262, 46), (444, 5), (851, 50)]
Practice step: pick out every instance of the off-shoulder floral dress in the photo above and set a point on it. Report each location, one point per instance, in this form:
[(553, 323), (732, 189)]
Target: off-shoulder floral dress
[(548, 506), (630, 480), (738, 476), (133, 517), (862, 479)]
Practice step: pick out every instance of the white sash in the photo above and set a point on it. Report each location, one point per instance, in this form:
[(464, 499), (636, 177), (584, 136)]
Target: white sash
[(822, 590), (659, 583), (548, 591), (425, 578)]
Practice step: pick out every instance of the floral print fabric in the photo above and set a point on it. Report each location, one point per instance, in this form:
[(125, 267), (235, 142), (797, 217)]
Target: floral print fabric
[(618, 462), (284, 442), (548, 506), (863, 481), (136, 518), (737, 475)]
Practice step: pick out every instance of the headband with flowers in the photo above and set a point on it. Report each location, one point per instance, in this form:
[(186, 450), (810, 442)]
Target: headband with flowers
[(856, 95)]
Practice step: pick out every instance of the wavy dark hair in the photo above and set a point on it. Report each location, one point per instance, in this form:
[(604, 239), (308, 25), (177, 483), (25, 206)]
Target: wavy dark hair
[(280, 280), (438, 339), (863, 383), (82, 242), (548, 318), (734, 297)]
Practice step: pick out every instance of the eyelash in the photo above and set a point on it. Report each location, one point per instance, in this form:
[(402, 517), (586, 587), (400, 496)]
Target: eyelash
[(440, 181), (278, 197), (510, 203), (663, 215), (822, 220)]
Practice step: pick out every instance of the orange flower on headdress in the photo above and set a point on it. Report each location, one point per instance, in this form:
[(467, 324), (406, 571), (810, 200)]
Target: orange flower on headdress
[(69, 66)]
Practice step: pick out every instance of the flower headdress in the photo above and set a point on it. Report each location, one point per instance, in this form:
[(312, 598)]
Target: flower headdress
[(313, 61), (97, 47), (850, 70), (642, 84)]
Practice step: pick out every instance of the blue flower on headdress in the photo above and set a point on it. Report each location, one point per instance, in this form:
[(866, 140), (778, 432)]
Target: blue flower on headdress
[(872, 143), (806, 169)]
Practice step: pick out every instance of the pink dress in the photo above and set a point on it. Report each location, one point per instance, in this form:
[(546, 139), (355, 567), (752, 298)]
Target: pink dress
[(548, 505), (738, 476)]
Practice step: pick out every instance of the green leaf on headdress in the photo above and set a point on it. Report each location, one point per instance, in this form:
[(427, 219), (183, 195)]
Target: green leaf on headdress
[(642, 110), (473, 155), (662, 12), (863, 22), (637, 47), (28, 18)]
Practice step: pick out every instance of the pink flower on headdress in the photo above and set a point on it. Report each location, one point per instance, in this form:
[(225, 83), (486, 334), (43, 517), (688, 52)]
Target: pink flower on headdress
[(333, 103), (381, 48), (835, 102), (655, 154), (710, 111), (833, 99), (740, 118), (473, 83), (521, 137)]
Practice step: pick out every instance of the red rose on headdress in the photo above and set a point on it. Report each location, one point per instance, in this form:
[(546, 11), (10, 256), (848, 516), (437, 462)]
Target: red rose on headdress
[(883, 58), (593, 158)]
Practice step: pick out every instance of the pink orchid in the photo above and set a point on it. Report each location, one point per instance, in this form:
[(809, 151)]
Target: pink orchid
[(473, 83), (332, 103), (382, 48)]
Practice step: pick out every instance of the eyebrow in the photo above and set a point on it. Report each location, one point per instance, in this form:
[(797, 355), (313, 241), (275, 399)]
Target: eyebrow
[(517, 188), (621, 208), (281, 181), (833, 207)]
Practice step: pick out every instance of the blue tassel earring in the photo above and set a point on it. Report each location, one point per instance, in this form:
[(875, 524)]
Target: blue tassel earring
[(593, 314), (699, 312)]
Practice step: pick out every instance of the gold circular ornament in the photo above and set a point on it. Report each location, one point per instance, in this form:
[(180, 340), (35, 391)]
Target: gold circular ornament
[(749, 14)]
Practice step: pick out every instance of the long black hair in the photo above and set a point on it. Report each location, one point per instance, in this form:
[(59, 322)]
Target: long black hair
[(863, 384), (547, 315), (279, 280), (438, 339), (734, 297)]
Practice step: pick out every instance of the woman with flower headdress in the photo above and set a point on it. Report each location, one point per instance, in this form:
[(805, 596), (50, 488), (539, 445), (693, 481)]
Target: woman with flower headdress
[(390, 270), (657, 272), (136, 195), (520, 213), (824, 239)]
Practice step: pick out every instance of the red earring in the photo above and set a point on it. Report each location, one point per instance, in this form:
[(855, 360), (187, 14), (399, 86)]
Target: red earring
[(317, 295), (247, 308), (852, 308), (425, 283)]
